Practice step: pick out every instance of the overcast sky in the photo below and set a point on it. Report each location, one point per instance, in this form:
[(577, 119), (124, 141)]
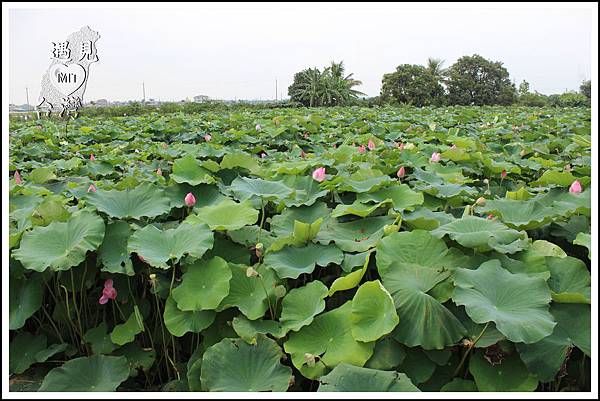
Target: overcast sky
[(238, 53)]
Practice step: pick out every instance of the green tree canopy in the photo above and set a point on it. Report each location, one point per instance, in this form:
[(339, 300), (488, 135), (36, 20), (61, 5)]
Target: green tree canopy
[(414, 84), (474, 80)]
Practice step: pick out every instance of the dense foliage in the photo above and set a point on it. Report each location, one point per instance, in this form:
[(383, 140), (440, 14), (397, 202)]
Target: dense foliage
[(339, 249), (412, 84), (330, 87)]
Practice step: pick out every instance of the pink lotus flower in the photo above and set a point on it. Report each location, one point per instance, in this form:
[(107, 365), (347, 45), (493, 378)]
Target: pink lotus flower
[(207, 137), (258, 127), (159, 171), (400, 146), (453, 146), (91, 188), (362, 149), (190, 199), (435, 157), (503, 174), (400, 172), (263, 155), (371, 144), (92, 157), (18, 179), (319, 174), (109, 292), (575, 187), (490, 216), (335, 145)]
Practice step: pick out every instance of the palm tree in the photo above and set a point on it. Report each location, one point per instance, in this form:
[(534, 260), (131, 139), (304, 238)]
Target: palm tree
[(343, 84), (434, 66)]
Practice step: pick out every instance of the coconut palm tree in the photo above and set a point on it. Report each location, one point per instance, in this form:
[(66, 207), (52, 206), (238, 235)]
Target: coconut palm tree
[(434, 66)]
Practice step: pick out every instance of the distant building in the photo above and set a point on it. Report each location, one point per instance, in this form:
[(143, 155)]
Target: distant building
[(101, 102), (201, 99)]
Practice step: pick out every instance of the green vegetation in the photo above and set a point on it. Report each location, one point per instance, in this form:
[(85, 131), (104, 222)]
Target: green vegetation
[(294, 249)]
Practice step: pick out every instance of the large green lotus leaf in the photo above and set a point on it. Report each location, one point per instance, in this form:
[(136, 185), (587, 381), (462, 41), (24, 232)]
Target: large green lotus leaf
[(424, 320), (510, 375), (158, 247), (352, 279), (357, 209), (365, 180), (388, 354), (569, 281), (301, 305), (61, 245), (179, 322), (227, 215), (566, 203), (145, 200), (438, 187), (246, 188), (346, 377), (283, 224), (51, 209), (125, 333), (24, 299), (423, 218), (401, 195), (204, 285), (490, 335), (306, 190), (373, 312), (234, 365), (291, 261), (406, 248), (584, 239), (417, 366), (249, 330), (229, 250), (516, 303), (560, 178), (483, 235), (329, 339), (188, 170), (99, 339), (354, 236), (251, 295), (206, 195), (113, 253), (239, 159), (545, 357), (22, 351), (94, 373), (519, 214)]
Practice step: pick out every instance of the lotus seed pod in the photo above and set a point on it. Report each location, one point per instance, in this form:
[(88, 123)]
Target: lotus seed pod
[(251, 272), (279, 291), (390, 229), (480, 201)]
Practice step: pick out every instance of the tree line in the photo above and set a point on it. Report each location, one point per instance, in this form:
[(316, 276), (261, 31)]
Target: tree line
[(470, 81)]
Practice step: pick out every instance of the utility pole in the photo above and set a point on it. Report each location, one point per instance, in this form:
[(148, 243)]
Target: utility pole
[(27, 93), (144, 92), (275, 89)]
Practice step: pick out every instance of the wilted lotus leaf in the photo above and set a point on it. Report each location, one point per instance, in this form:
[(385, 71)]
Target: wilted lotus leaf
[(346, 377)]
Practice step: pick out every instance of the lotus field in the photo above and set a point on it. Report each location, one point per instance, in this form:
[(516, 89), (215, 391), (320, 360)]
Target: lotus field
[(326, 249)]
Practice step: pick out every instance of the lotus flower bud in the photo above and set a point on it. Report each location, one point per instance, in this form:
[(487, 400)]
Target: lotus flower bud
[(435, 157), (362, 149), (92, 157), (400, 146), (503, 174), (18, 179), (401, 172), (190, 199), (279, 291), (453, 146), (371, 144), (310, 359), (319, 174), (258, 127), (486, 181), (490, 216), (158, 171), (258, 249), (91, 188), (207, 137), (568, 168), (575, 187)]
